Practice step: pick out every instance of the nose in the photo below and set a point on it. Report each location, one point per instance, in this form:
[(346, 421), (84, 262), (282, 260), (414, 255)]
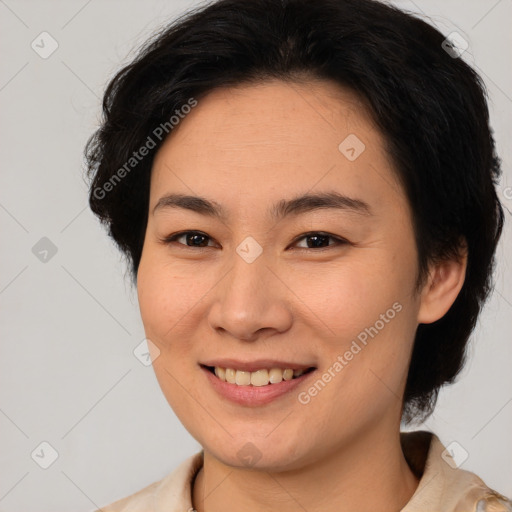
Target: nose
[(251, 302)]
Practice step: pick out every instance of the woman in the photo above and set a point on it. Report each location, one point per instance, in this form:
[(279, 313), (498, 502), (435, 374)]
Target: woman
[(305, 193)]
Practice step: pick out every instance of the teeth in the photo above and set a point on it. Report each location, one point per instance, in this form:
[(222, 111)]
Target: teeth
[(261, 377), (275, 375), (221, 373), (288, 374), (243, 378), (230, 375)]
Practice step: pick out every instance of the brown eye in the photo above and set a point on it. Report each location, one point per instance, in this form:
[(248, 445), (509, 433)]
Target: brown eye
[(320, 240), (315, 240), (191, 238)]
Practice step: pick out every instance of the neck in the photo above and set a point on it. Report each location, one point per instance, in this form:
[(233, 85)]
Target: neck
[(369, 474)]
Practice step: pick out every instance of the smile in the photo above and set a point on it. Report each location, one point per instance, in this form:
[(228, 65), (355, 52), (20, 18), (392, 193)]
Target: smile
[(261, 377), (255, 383)]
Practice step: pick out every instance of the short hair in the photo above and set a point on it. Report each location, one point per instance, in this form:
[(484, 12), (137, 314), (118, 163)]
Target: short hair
[(430, 106)]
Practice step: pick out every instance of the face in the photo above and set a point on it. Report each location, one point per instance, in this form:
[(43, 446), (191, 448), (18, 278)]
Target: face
[(325, 286)]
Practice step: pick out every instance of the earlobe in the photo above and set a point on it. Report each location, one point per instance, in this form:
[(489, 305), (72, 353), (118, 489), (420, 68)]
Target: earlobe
[(444, 283)]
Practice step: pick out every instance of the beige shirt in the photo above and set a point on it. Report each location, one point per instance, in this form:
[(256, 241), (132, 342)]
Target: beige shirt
[(443, 487)]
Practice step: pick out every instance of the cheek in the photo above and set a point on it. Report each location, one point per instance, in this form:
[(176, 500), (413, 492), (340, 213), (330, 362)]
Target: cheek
[(168, 297), (168, 301), (367, 315), (165, 302), (349, 296)]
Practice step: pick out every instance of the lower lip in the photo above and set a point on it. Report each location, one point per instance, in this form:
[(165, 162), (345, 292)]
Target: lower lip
[(253, 395)]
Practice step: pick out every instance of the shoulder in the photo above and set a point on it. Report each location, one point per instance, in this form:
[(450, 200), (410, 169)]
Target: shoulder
[(444, 486), (173, 492), (141, 500)]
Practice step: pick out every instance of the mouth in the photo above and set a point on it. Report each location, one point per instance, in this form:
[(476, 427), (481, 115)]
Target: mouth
[(257, 378), (255, 385)]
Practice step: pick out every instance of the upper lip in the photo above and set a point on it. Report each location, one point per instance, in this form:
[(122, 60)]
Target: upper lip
[(259, 364)]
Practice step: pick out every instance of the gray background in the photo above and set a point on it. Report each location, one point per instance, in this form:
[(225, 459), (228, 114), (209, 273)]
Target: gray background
[(69, 324)]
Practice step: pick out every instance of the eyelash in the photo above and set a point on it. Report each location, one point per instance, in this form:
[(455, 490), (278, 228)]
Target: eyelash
[(339, 241)]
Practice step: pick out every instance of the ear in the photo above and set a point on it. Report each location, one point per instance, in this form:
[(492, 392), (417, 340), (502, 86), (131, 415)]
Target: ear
[(443, 285)]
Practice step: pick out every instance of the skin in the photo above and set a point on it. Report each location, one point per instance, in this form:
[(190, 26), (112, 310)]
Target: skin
[(246, 148)]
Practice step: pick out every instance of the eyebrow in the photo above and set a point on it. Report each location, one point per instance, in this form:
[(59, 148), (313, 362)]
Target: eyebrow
[(283, 208)]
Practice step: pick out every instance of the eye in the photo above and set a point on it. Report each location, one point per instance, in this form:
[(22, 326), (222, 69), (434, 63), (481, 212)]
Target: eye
[(197, 239), (319, 238)]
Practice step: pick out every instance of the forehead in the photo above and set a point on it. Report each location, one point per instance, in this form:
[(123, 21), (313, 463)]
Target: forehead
[(275, 139), (274, 114)]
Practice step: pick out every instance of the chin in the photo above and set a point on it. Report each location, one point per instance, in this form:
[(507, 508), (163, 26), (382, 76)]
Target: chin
[(258, 453)]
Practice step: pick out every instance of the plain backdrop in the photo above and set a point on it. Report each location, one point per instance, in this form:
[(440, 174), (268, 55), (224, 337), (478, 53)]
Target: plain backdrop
[(69, 318)]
